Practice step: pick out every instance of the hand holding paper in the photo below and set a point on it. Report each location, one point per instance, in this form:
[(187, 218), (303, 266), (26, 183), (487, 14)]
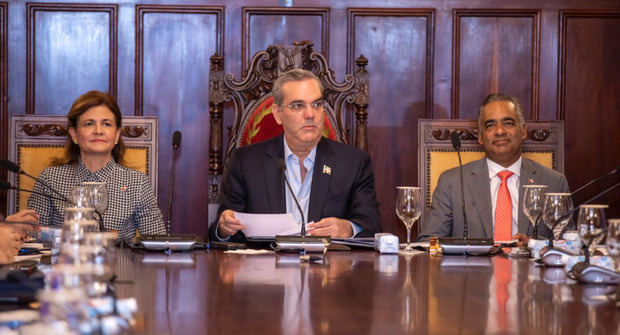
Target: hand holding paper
[(267, 224)]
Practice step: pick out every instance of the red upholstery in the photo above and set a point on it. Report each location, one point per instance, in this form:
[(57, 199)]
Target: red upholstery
[(262, 125)]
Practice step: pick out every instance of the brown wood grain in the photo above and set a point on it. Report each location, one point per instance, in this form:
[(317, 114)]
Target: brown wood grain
[(71, 49), (589, 101), (359, 292), (262, 27), (559, 57), (495, 51), (174, 44), (4, 115), (401, 70)]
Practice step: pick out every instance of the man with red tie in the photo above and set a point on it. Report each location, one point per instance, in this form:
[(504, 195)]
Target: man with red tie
[(493, 199)]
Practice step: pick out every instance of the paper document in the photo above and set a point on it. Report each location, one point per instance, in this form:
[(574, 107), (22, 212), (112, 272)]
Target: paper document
[(268, 224)]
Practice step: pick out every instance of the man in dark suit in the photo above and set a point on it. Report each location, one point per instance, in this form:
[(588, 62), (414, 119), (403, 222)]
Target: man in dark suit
[(492, 185), (333, 182)]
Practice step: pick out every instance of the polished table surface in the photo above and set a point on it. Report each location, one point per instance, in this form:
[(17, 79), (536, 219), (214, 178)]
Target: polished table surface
[(357, 292)]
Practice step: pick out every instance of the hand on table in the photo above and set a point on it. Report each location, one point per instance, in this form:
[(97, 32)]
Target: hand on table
[(334, 227)]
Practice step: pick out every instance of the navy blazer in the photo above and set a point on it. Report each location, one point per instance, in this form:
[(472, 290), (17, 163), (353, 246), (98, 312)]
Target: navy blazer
[(254, 183)]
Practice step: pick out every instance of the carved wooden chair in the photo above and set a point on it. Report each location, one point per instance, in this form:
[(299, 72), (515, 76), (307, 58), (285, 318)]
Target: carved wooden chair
[(35, 140), (544, 144), (251, 102)]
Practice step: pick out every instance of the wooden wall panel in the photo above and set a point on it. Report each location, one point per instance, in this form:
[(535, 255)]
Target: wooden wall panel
[(495, 51), (589, 100), (4, 115), (427, 58), (71, 49), (400, 67), (173, 46), (268, 26)]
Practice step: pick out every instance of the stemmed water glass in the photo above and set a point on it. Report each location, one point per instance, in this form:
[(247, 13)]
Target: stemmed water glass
[(555, 210), (409, 209), (591, 223), (80, 197), (533, 203), (99, 195)]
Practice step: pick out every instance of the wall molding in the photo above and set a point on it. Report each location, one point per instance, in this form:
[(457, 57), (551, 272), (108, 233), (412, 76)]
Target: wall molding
[(141, 11), (458, 14), (565, 15), (428, 13), (248, 12), (33, 8)]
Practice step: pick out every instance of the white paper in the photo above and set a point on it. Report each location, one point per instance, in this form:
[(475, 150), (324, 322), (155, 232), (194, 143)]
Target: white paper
[(267, 224)]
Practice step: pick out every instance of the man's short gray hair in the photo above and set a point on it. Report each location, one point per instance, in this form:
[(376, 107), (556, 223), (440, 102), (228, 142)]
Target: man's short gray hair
[(501, 97), (289, 76)]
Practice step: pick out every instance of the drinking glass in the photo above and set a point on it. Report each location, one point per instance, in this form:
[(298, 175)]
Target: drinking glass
[(556, 206), (591, 223), (533, 202), (78, 222), (613, 241), (80, 197), (409, 209), (99, 195)]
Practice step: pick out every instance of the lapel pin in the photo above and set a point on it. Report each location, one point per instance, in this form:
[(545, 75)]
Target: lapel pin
[(327, 170), (124, 188), (531, 181)]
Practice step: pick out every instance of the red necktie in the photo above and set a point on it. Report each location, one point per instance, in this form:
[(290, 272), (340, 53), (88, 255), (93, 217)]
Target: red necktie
[(503, 210)]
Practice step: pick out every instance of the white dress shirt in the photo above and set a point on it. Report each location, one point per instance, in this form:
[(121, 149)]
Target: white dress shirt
[(513, 188), (302, 190)]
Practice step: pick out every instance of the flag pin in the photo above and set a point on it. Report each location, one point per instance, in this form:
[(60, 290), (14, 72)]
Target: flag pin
[(327, 170)]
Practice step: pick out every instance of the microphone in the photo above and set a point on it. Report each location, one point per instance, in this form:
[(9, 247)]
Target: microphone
[(176, 143), (282, 167), (302, 243), (455, 137), (5, 185), (553, 256), (465, 245), (176, 140), (177, 242), (610, 173), (13, 167)]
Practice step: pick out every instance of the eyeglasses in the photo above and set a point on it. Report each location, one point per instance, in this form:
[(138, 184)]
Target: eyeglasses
[(300, 106)]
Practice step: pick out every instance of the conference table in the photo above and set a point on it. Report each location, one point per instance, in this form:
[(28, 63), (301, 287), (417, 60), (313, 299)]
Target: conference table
[(357, 292)]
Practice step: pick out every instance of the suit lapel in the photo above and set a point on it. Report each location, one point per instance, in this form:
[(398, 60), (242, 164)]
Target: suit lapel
[(528, 176), (479, 186), (273, 176), (320, 180)]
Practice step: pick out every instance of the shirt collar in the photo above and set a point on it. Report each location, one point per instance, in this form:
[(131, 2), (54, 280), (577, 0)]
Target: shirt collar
[(288, 153), (494, 168), (105, 174)]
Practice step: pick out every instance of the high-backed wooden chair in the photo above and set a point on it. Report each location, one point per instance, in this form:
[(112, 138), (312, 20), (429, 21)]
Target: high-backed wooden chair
[(251, 102), (35, 140), (544, 144)]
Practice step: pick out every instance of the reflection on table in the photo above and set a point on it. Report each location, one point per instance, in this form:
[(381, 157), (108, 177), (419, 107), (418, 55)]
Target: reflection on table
[(357, 292)]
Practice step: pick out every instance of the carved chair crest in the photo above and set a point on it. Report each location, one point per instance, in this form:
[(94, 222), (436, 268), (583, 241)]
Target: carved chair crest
[(251, 100)]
